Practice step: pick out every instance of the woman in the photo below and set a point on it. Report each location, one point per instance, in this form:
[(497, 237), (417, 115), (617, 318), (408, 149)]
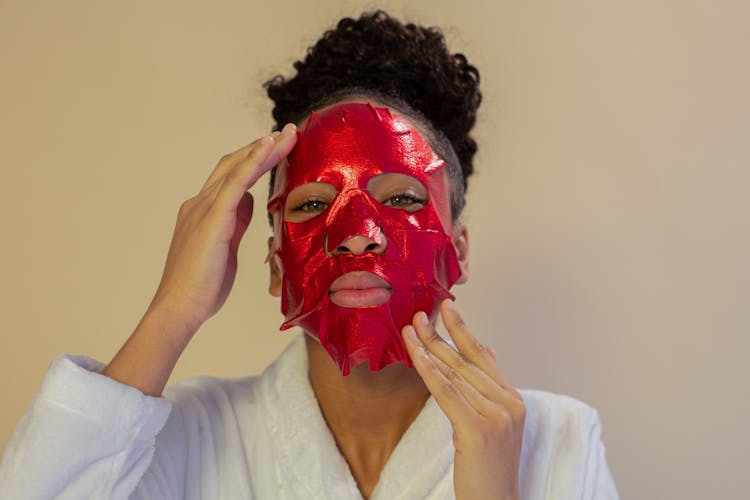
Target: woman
[(373, 151)]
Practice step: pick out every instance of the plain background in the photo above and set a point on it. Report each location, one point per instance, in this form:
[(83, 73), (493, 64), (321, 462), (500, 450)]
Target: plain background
[(608, 215)]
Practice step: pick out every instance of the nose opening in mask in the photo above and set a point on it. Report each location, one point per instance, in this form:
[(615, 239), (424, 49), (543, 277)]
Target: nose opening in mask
[(360, 244), (353, 226)]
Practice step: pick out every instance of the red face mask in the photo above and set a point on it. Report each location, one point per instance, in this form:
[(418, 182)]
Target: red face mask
[(411, 252)]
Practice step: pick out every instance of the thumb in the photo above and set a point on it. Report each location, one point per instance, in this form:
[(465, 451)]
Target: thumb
[(244, 216)]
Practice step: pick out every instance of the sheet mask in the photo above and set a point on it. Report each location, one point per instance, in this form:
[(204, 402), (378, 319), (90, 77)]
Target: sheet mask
[(346, 146)]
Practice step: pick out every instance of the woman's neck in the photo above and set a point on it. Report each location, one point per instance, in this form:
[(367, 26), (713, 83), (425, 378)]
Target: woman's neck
[(367, 411)]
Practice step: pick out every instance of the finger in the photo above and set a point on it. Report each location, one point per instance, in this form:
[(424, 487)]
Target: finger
[(209, 195), (483, 405), (244, 215), (469, 346), (446, 394), (283, 145), (456, 361), (247, 172), (227, 191), (257, 150), (228, 161)]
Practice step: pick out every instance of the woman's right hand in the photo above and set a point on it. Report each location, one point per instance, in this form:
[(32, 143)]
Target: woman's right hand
[(201, 264), (202, 260)]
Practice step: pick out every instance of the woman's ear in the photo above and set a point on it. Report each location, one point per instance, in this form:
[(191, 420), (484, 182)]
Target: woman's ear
[(274, 283), (461, 242)]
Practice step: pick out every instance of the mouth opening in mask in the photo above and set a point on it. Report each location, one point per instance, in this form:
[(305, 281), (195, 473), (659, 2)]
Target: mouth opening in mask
[(360, 289)]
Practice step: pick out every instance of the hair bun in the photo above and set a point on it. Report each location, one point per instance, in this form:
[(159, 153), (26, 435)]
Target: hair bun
[(404, 61)]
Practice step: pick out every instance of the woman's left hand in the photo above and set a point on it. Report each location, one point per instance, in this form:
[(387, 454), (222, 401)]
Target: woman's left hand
[(486, 412)]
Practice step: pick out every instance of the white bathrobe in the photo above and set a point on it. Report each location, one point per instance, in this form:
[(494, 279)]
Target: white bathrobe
[(89, 437)]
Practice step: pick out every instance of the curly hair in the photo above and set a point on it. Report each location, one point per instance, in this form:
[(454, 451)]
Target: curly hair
[(405, 66)]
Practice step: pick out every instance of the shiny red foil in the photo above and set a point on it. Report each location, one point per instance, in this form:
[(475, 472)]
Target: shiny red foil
[(346, 146)]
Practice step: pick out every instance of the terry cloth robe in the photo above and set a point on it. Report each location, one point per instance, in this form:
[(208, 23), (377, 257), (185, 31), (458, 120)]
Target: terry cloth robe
[(263, 437)]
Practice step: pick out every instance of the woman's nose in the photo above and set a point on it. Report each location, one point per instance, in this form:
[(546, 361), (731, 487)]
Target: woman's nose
[(360, 245)]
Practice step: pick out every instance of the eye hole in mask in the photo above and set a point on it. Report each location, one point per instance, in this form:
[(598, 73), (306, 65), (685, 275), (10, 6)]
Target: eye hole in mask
[(398, 191)]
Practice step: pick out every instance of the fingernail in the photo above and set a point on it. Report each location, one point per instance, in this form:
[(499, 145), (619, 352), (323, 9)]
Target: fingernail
[(422, 318), (410, 333), (289, 128)]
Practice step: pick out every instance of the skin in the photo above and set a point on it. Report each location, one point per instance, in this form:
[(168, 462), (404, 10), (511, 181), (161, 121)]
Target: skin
[(201, 264), (487, 414)]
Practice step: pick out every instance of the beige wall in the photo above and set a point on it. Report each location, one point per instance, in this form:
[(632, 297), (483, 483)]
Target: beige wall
[(608, 215)]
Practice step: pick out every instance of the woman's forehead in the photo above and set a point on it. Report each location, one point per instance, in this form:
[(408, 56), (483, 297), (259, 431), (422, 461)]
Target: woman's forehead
[(358, 140), (403, 111)]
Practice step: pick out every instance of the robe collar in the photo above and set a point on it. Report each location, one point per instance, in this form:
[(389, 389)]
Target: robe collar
[(307, 454)]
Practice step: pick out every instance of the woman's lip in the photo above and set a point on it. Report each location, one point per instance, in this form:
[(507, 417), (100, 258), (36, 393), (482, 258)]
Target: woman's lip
[(358, 280), (359, 289), (368, 297)]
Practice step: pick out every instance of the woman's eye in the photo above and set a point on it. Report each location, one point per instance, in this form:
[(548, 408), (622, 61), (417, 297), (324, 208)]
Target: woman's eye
[(311, 206), (405, 201)]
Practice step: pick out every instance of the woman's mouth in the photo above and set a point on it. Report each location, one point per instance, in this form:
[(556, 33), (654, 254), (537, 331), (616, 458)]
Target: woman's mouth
[(359, 289)]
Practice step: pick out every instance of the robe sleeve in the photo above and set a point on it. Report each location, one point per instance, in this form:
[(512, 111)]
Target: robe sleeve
[(85, 436), (598, 481)]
